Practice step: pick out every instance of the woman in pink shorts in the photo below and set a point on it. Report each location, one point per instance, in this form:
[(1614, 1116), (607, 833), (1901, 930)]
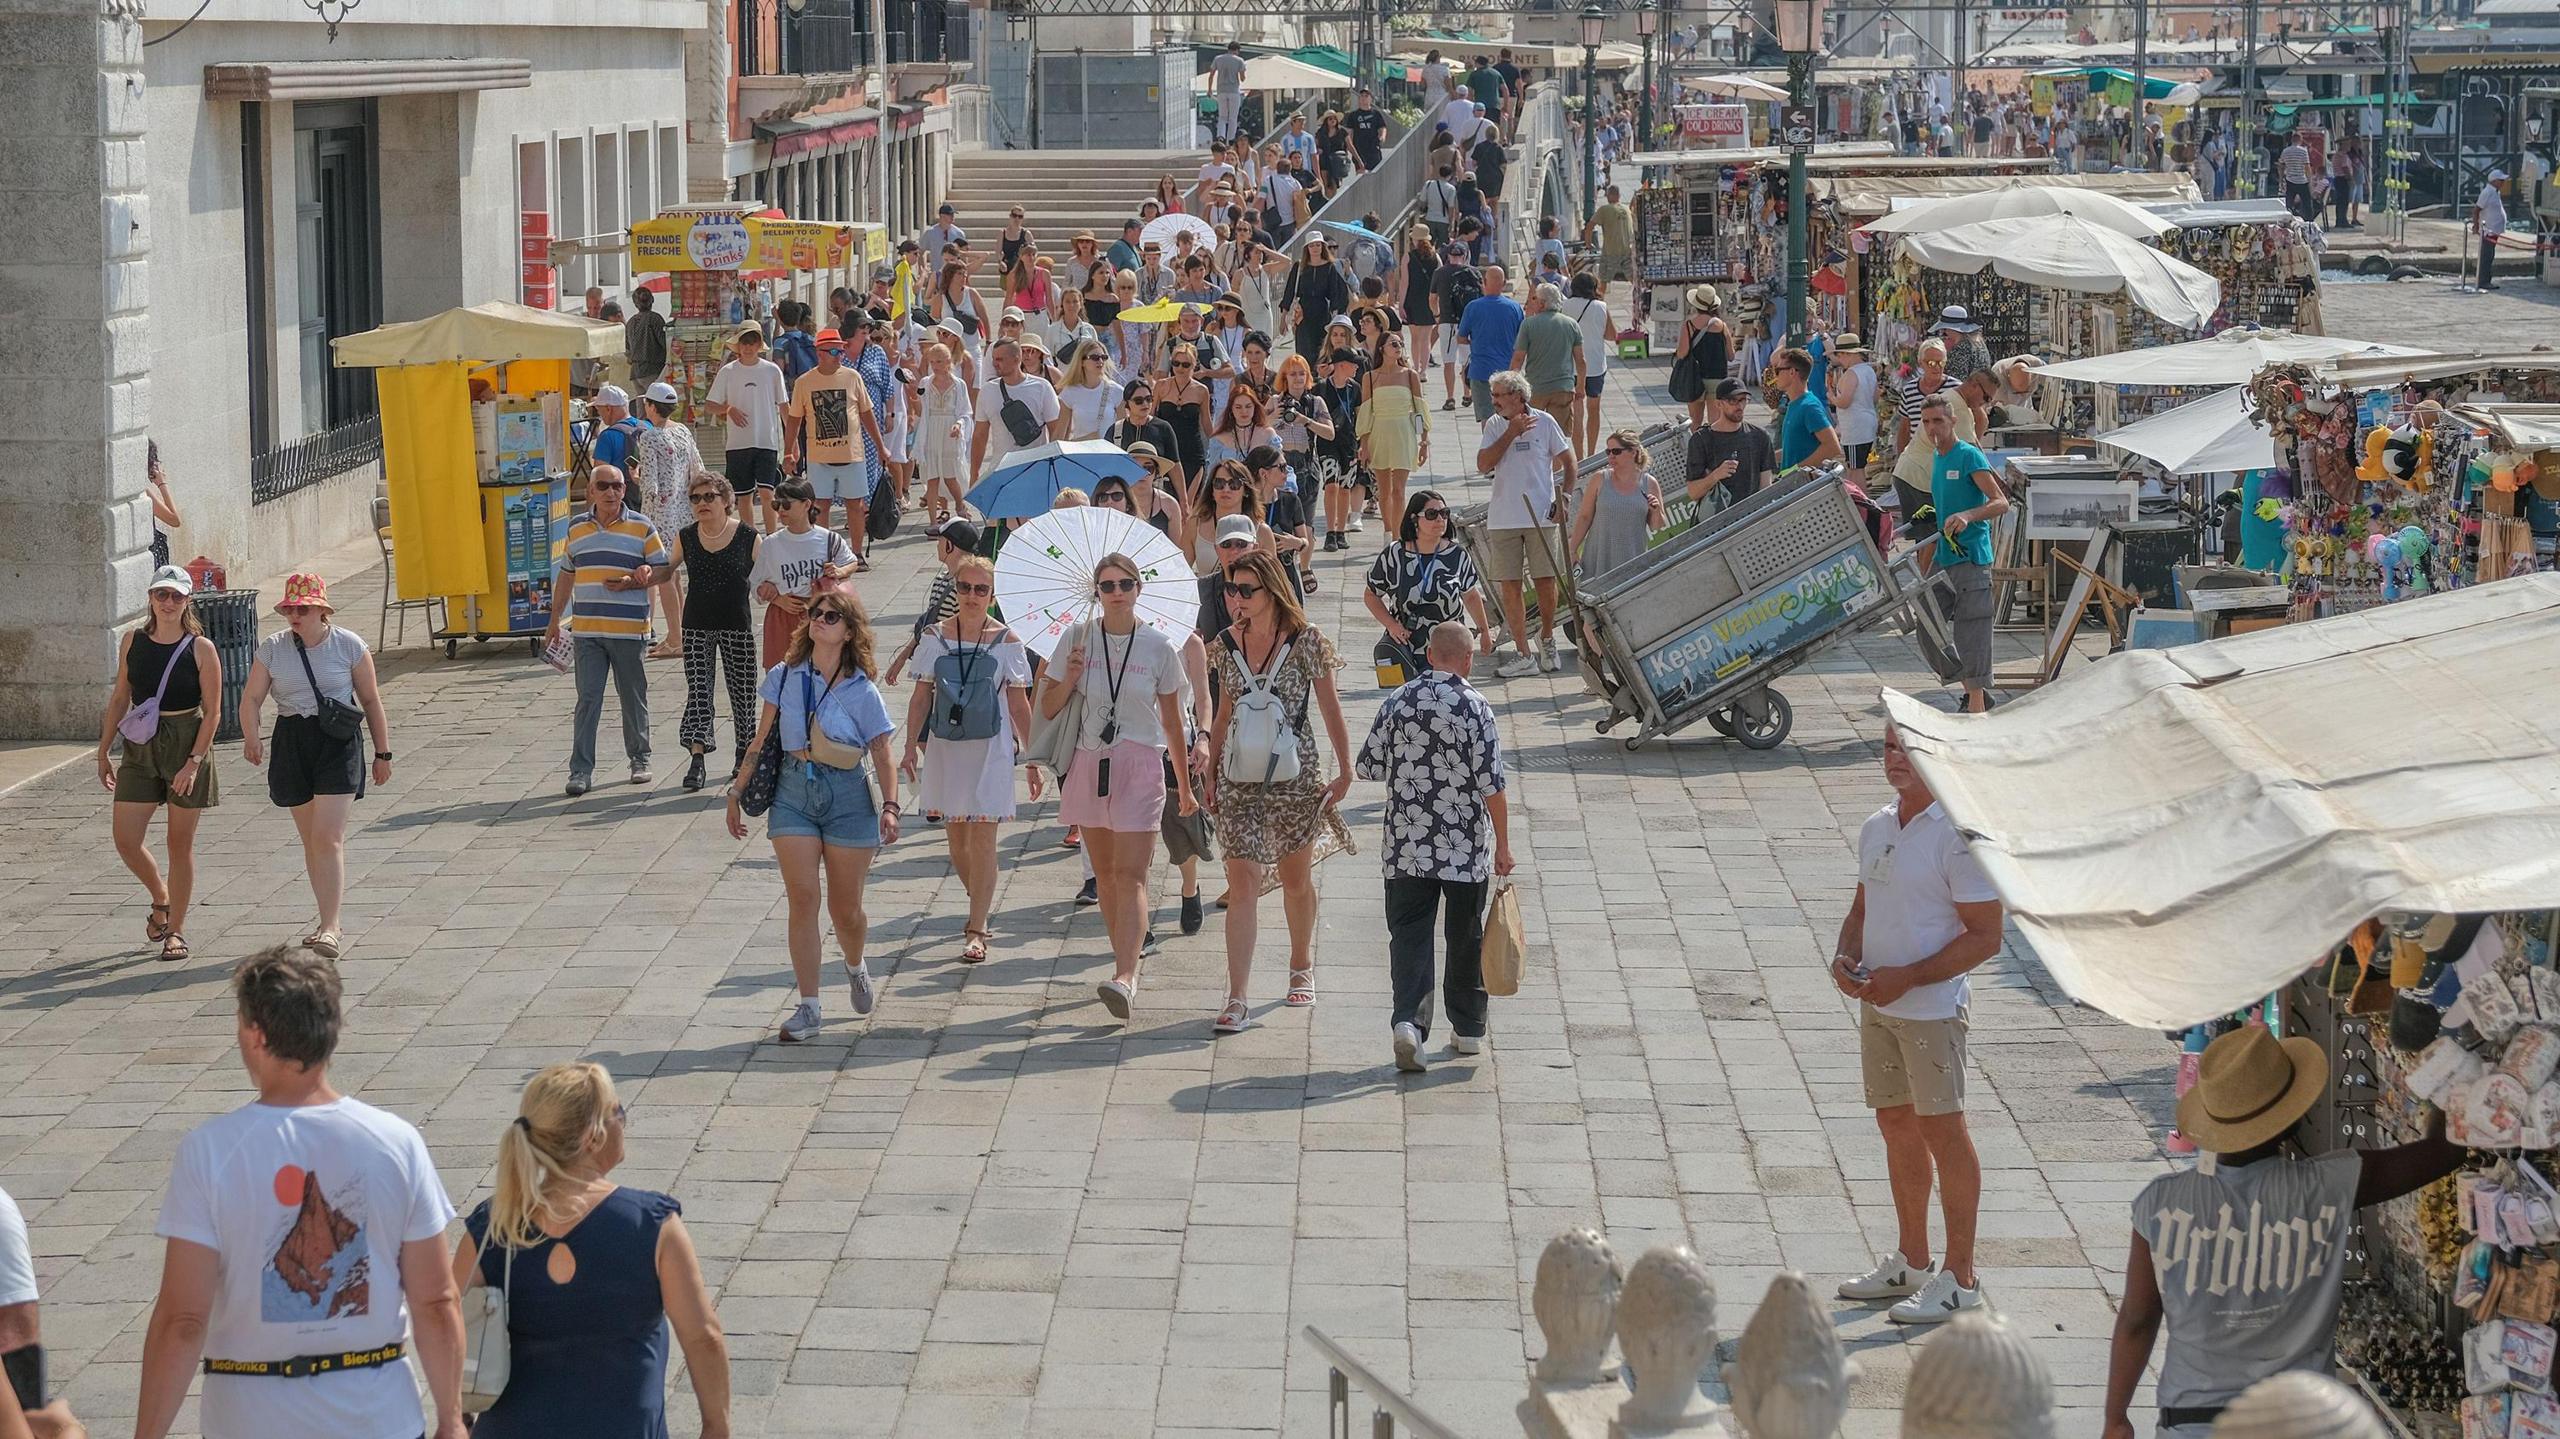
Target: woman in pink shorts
[(1131, 679)]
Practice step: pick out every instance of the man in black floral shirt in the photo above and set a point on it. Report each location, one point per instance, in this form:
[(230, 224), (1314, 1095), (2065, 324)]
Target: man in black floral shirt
[(1448, 835)]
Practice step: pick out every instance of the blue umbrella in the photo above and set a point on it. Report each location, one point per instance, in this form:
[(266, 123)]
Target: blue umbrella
[(1032, 478), (1378, 251)]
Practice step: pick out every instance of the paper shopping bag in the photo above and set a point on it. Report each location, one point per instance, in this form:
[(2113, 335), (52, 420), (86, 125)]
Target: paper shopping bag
[(1505, 950)]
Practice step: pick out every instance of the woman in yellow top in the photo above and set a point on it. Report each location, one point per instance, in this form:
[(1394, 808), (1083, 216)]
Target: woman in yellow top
[(1394, 442)]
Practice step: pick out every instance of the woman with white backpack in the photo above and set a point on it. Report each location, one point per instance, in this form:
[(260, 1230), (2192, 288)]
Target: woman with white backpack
[(1266, 794), (973, 698), (580, 1278), (1124, 679)]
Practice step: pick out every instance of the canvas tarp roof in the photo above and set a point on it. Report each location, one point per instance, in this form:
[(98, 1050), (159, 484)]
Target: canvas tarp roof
[(2517, 427), (2211, 436), (1876, 194), (2178, 833), (490, 333), (2381, 374), (2068, 252), (2233, 357)]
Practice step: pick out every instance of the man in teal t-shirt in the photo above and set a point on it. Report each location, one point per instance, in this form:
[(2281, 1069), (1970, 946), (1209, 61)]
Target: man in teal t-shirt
[(1805, 435), (1967, 496)]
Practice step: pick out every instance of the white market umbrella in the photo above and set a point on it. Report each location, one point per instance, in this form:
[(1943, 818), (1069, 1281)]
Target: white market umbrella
[(1162, 229), (2023, 201), (1740, 86), (2069, 252), (1044, 574), (2233, 357), (2211, 436)]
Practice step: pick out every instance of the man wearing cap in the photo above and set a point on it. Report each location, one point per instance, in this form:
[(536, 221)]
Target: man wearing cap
[(2244, 1256), (644, 340), (615, 429), (1727, 454), (1923, 917), (2489, 218), (1966, 352), (828, 404), (1237, 536), (955, 538), (883, 300), (2017, 397), (945, 230), (750, 394), (611, 558)]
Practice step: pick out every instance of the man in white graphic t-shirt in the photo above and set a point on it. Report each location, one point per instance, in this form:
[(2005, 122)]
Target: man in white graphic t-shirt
[(305, 1240)]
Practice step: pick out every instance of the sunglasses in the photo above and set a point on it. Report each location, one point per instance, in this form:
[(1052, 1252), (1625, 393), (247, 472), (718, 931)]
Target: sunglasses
[(826, 617), (1229, 483), (968, 588), (1142, 399), (1436, 512), (1621, 449), (1116, 497), (622, 1114), (1116, 587), (704, 499), (1242, 592)]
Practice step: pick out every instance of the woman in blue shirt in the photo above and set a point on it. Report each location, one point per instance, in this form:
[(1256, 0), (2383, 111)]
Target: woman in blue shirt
[(824, 817)]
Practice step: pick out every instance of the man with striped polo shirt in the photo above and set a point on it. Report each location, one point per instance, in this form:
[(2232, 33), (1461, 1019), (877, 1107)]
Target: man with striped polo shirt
[(612, 559)]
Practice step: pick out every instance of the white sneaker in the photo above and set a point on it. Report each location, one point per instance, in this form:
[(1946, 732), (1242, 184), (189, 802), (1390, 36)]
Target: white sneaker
[(1888, 1280), (1516, 667), (802, 1023), (866, 992), (1467, 1043), (1548, 657), (1409, 1049), (1940, 1300), (1356, 525)]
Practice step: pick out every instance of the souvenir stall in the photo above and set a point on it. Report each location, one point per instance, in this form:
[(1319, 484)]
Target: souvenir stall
[(2423, 859), (477, 455), (2097, 103), (2398, 477)]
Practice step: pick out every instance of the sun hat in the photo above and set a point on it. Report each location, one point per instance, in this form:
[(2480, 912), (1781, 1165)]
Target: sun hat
[(1012, 315), (1704, 300), (1228, 301), (305, 589), (750, 333), (1956, 318), (662, 393), (1848, 343), (1237, 527), (613, 395), (1143, 450), (2298, 1405), (2251, 1087), (825, 338), (170, 577)]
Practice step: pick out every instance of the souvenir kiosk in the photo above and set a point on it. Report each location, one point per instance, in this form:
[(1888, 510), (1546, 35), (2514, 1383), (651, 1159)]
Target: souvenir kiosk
[(476, 457)]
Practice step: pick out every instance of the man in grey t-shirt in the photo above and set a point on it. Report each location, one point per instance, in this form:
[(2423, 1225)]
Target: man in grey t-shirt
[(1549, 354), (2244, 1256)]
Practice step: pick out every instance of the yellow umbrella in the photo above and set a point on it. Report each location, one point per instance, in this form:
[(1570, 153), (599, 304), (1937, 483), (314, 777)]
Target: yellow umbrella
[(1163, 312)]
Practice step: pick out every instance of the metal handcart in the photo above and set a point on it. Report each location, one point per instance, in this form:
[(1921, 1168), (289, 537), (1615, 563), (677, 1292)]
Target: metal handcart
[(1702, 626)]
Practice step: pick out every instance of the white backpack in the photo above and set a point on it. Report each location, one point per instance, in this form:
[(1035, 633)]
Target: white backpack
[(1262, 740)]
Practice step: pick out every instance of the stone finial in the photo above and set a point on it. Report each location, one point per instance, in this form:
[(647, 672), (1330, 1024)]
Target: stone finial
[(2298, 1406), (1667, 1331), (1789, 1376), (1977, 1379), (1576, 1302)]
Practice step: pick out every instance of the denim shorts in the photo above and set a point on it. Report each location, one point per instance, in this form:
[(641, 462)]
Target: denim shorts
[(832, 806)]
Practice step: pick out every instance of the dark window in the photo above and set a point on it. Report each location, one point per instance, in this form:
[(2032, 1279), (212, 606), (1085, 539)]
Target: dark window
[(254, 248), (338, 260)]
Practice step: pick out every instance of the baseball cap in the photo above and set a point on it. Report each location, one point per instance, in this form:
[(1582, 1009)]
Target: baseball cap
[(170, 577), (1237, 527), (1732, 390), (613, 395), (662, 393), (947, 209), (884, 272), (960, 533), (1013, 315)]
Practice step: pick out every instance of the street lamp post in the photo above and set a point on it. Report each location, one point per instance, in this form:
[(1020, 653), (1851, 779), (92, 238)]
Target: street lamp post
[(1799, 35), (1594, 21), (1648, 20)]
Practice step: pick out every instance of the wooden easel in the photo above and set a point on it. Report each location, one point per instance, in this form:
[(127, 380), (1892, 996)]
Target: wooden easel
[(2115, 602)]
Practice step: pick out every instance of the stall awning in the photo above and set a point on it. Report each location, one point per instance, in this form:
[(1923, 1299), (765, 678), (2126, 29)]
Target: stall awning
[(2362, 374), (271, 80), (2179, 833), (489, 333), (2068, 252), (814, 131), (2154, 87), (2233, 357), (2516, 427), (1877, 194)]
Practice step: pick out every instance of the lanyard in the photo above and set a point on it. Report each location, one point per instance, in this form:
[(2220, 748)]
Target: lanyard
[(1112, 680)]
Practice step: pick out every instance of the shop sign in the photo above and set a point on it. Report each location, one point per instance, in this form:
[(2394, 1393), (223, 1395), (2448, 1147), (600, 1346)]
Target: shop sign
[(730, 241), (2040, 94), (1795, 129), (1820, 598), (1722, 126)]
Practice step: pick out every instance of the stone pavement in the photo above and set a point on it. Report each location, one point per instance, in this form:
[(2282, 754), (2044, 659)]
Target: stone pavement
[(988, 1211)]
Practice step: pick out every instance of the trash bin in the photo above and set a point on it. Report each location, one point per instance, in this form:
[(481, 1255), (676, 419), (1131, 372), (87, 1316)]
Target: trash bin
[(231, 622)]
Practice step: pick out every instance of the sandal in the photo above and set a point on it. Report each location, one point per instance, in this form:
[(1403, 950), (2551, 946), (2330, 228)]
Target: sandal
[(173, 948), (1074, 839), (975, 951), (323, 943), (1302, 989), (157, 927), (1233, 1019)]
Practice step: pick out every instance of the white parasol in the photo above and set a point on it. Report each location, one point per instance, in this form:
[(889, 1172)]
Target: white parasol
[(1738, 85), (2072, 252), (1044, 574), (2233, 357), (2214, 435), (1161, 230), (2023, 201)]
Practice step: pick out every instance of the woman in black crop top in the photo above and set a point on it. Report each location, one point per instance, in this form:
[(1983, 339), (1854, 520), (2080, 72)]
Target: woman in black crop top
[(719, 631), (169, 665)]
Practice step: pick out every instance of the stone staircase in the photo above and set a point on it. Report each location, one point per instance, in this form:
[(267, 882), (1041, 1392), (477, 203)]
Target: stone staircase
[(1060, 192)]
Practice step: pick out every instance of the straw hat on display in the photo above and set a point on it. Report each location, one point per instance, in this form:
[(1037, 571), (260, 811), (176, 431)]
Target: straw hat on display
[(1977, 1379), (2250, 1088), (2298, 1406)]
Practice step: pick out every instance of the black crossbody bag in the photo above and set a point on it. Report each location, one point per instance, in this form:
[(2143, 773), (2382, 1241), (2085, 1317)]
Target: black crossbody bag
[(338, 719)]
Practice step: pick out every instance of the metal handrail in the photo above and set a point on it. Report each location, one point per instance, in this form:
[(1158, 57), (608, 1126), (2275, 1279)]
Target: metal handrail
[(1391, 1408), (1393, 189)]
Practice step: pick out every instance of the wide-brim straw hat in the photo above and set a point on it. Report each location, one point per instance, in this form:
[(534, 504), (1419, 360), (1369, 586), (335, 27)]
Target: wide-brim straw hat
[(1705, 300), (2250, 1088)]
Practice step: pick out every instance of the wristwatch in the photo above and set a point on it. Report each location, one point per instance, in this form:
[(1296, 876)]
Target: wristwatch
[(382, 756)]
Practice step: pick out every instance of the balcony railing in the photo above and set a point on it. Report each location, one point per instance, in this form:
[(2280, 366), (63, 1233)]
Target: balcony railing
[(833, 37)]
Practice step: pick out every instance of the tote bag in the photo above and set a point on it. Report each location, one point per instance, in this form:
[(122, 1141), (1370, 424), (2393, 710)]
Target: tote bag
[(1505, 951)]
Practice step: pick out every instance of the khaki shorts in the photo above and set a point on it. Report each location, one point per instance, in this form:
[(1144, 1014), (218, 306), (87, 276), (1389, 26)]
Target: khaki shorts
[(1616, 266), (1511, 555), (1559, 406), (1915, 1062), (146, 773)]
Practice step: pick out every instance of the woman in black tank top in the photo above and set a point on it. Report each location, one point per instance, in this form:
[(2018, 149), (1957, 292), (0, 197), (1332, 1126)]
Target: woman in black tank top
[(167, 763)]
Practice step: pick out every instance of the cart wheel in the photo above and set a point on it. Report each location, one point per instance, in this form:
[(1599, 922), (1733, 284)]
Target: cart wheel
[(1607, 725), (1761, 720), (452, 648), (1722, 718), (1634, 742)]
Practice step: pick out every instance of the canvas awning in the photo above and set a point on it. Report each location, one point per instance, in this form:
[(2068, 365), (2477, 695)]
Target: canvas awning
[(2179, 833), (1876, 194), (2069, 252), (2211, 436), (492, 333), (2020, 200), (2366, 374), (2233, 357), (2516, 427)]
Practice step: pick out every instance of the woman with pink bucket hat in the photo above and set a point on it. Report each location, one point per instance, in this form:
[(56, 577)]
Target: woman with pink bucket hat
[(326, 698)]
